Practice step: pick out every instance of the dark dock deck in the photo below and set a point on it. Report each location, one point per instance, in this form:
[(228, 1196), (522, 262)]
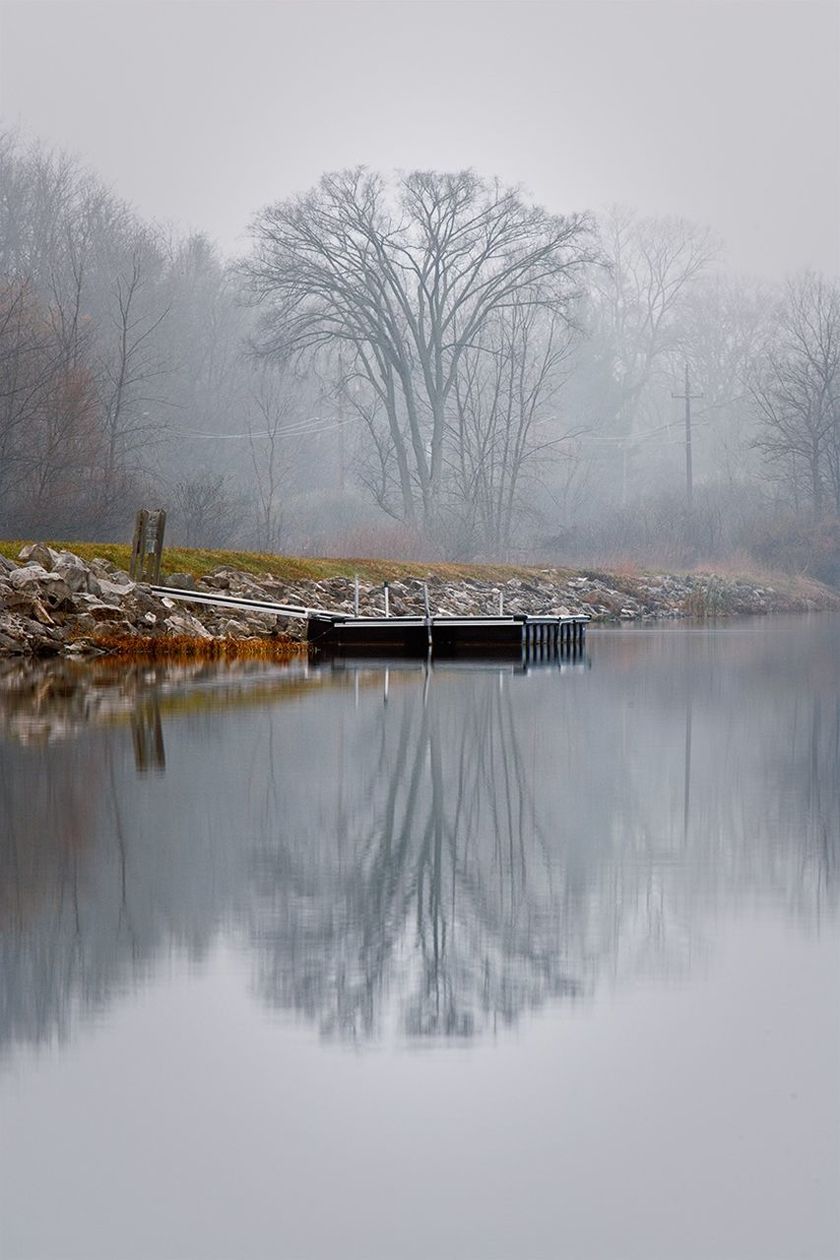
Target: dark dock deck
[(337, 632), (446, 636)]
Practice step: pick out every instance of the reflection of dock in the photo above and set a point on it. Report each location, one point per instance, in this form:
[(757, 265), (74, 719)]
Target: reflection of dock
[(525, 663), (333, 631)]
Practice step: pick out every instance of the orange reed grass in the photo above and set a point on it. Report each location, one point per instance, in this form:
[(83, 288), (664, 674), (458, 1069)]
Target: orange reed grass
[(184, 647)]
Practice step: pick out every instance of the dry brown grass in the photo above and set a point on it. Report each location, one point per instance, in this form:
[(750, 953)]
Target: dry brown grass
[(183, 647)]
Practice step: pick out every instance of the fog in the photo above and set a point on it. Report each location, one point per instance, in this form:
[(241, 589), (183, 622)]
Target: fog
[(221, 232)]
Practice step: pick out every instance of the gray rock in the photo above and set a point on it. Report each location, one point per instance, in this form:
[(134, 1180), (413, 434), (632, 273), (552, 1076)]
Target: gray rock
[(76, 574), (84, 624), (233, 629), (185, 623), (27, 575), (27, 604), (183, 581), (51, 587), (115, 590), (38, 553), (104, 612), (103, 567)]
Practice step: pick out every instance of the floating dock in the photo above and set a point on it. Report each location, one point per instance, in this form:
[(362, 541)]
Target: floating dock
[(446, 636), (337, 632)]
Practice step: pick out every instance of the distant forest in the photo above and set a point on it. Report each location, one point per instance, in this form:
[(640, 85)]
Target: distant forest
[(425, 365)]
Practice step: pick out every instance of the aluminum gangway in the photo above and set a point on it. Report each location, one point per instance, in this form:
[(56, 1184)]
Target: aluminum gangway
[(333, 630)]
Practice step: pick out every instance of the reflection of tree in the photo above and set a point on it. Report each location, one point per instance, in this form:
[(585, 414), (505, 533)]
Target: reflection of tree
[(443, 862), (47, 813), (445, 887)]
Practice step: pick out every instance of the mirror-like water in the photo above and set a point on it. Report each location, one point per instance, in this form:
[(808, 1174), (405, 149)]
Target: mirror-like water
[(366, 961)]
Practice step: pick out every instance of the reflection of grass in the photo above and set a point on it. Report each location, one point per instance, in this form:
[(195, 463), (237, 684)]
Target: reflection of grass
[(186, 648)]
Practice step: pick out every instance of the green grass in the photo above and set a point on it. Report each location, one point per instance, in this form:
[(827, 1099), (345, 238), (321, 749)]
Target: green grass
[(198, 562), (621, 576)]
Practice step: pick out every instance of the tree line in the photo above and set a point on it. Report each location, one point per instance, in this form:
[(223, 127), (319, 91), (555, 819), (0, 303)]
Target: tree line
[(427, 362)]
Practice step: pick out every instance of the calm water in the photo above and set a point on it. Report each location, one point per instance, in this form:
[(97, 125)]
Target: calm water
[(394, 963)]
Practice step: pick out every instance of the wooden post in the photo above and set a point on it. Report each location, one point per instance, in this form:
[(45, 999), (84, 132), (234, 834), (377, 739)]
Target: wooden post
[(138, 545), (147, 545), (356, 595), (387, 603), (157, 552)]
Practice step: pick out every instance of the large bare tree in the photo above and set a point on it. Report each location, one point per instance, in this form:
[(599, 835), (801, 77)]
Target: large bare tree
[(407, 275)]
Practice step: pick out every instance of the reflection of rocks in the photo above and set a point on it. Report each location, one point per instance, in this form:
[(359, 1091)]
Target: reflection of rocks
[(56, 701), (49, 701)]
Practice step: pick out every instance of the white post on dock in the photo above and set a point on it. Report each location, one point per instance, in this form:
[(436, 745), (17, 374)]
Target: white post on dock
[(356, 595), (501, 603), (387, 602), (428, 616)]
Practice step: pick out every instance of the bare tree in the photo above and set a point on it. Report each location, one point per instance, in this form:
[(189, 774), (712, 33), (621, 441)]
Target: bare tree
[(725, 323), (505, 428), (27, 366), (407, 277), (651, 263), (796, 392), (73, 388), (130, 364), (50, 439), (270, 453), (208, 511)]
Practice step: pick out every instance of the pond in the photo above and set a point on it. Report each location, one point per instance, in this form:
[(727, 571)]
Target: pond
[(380, 960)]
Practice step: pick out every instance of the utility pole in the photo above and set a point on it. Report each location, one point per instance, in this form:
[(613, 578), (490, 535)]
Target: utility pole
[(689, 474), (341, 457), (342, 384)]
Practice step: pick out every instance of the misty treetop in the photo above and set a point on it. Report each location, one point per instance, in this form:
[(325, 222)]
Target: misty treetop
[(421, 284), (427, 364)]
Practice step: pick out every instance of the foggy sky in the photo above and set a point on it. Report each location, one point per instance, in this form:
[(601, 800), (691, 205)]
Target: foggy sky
[(200, 113)]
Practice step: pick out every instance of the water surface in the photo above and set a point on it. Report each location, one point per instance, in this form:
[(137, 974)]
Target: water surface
[(395, 962)]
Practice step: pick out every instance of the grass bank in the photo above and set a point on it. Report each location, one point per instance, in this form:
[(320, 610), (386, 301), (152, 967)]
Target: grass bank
[(200, 561)]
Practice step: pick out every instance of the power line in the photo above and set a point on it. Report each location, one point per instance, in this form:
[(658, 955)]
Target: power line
[(302, 428)]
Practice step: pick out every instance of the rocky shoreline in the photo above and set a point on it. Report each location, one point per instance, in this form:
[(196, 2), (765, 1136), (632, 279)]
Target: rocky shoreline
[(54, 603)]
